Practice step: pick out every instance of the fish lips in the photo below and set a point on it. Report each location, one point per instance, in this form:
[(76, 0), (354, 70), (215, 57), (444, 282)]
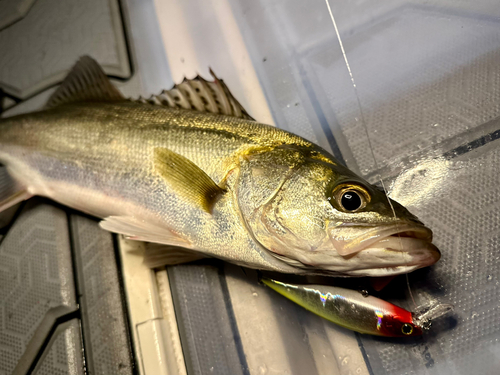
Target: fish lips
[(387, 250)]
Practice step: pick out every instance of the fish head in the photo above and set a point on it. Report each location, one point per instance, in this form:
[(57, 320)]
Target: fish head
[(314, 214)]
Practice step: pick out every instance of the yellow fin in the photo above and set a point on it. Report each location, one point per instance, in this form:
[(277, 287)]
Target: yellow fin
[(86, 82), (186, 178)]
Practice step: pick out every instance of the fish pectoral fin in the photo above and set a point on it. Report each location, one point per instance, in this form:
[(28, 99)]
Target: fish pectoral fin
[(85, 82), (139, 230), (200, 95), (158, 255), (186, 178)]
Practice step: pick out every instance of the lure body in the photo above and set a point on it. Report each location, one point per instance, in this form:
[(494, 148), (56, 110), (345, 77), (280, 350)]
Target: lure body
[(350, 309)]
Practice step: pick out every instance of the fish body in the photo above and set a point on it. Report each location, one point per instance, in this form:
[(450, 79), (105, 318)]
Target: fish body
[(97, 158), (207, 184), (350, 309)]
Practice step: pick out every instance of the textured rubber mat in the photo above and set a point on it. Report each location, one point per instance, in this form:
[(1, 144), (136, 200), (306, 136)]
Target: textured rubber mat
[(35, 275), (206, 322), (63, 355), (103, 312)]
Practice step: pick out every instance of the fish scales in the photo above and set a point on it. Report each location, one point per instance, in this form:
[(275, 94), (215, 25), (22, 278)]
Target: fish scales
[(78, 144), (206, 184)]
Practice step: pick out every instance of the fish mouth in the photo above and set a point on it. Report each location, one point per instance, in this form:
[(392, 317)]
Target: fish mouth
[(351, 250), (391, 250), (353, 239)]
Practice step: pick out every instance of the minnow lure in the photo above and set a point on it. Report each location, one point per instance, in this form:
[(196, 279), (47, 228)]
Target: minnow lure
[(357, 312)]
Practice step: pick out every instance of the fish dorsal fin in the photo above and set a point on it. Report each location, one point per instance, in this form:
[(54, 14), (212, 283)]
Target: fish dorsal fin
[(86, 82), (201, 95), (186, 178)]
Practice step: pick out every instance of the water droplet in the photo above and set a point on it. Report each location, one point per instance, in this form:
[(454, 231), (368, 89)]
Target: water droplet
[(474, 315), (263, 369), (255, 294), (212, 369), (489, 277), (345, 361), (358, 370)]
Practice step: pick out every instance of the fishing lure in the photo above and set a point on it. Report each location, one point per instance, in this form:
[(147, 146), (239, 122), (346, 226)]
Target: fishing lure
[(358, 312)]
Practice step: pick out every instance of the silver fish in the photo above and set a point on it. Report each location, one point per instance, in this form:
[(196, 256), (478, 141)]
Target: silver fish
[(192, 173)]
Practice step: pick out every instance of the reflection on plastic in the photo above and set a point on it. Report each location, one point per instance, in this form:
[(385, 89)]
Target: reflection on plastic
[(420, 183)]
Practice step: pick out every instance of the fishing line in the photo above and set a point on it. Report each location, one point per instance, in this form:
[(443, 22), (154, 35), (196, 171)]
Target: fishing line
[(363, 123)]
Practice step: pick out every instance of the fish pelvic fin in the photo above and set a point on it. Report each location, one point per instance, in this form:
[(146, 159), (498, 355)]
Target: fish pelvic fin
[(86, 82), (201, 95), (187, 179), (158, 255), (139, 230)]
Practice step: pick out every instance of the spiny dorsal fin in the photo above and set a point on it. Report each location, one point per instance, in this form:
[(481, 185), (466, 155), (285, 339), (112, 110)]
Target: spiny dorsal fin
[(186, 178), (86, 82), (200, 95)]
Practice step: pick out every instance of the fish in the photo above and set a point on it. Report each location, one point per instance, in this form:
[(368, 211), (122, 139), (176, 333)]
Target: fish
[(351, 309), (193, 175)]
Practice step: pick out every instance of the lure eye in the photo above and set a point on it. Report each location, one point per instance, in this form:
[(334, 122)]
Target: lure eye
[(407, 329), (350, 197)]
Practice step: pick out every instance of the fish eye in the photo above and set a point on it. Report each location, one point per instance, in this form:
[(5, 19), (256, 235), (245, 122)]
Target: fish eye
[(407, 329), (351, 198), (351, 201)]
